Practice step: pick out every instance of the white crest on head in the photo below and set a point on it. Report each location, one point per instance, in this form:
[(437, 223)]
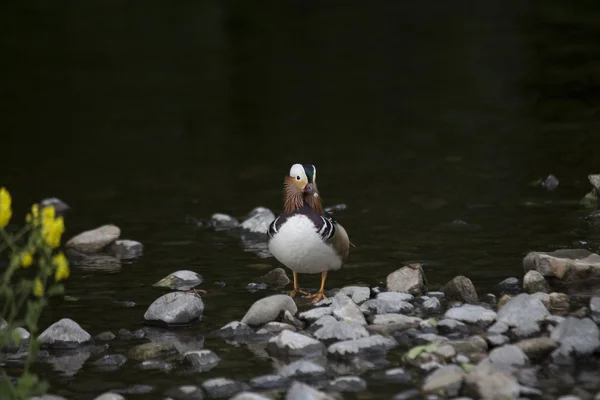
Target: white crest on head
[(314, 174), (297, 172)]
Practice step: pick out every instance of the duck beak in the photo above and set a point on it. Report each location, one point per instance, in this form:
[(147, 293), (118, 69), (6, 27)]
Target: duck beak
[(309, 188)]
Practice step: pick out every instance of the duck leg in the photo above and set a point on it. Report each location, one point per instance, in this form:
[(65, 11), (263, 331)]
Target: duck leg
[(296, 288), (320, 295)]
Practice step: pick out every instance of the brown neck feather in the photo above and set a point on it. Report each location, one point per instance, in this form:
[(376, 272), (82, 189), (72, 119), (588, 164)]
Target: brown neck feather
[(294, 200)]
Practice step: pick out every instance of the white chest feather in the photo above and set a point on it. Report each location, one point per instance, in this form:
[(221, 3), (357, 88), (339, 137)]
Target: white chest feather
[(298, 246)]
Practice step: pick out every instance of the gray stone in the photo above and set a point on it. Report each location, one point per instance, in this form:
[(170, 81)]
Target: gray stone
[(223, 387), (182, 340), (386, 305), (221, 221), (430, 338), (109, 396), (578, 337), (301, 391), (202, 360), (595, 309), (510, 285), (347, 384), (155, 365), (94, 240), (175, 308), (448, 325), (126, 249), (289, 318), (180, 280), (460, 288), (537, 348), (68, 363), (249, 396), (344, 309), (60, 207), (292, 344), (268, 309), (522, 310), (471, 345), (268, 382), (397, 375), (65, 333), (446, 381), (408, 322), (408, 394), (358, 294), (185, 392), (148, 351), (110, 362), (526, 330), (432, 306), (108, 335), (136, 390), (395, 296), (276, 277), (487, 382), (235, 330), (446, 351), (498, 327), (569, 266), (255, 287), (314, 314), (375, 344), (47, 397), (554, 319), (534, 282), (409, 279), (496, 340), (277, 327), (508, 355), (341, 330), (259, 220), (471, 314), (302, 370), (323, 321)]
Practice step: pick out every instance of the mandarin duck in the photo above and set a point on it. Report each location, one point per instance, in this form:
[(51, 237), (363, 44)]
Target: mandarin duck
[(304, 237)]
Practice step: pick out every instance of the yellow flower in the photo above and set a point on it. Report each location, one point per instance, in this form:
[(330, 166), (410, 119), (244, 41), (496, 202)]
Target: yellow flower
[(38, 288), (5, 210), (62, 267), (33, 218), (26, 259), (52, 230)]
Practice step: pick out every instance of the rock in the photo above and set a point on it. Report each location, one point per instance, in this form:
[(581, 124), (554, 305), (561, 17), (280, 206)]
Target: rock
[(220, 221), (108, 335), (175, 308), (448, 325), (268, 382), (148, 351), (446, 381), (126, 249), (534, 282), (180, 280), (47, 397), (110, 362), (65, 333), (182, 340), (155, 365), (223, 387), (235, 330), (559, 303), (276, 277), (567, 266), (202, 360), (554, 320), (406, 321), (344, 309), (375, 344), (522, 310), (496, 340), (126, 334), (397, 375), (302, 370), (69, 362), (577, 337), (185, 392), (255, 287), (347, 384), (321, 322), (249, 396), (315, 313), (289, 318), (358, 294), (94, 240), (429, 338), (550, 183), (268, 309), (109, 396), (292, 344), (387, 303), (301, 391), (508, 355), (461, 289), (432, 306), (277, 327), (408, 394), (410, 279), (499, 328), (471, 345), (341, 330), (136, 390), (510, 285), (595, 309), (537, 348), (259, 220), (471, 314), (60, 207), (487, 382)]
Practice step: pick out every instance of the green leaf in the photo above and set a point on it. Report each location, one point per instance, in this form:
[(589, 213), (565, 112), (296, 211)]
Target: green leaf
[(417, 350), (467, 367), (432, 322)]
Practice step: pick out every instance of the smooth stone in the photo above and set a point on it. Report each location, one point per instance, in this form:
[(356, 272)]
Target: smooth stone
[(510, 285), (277, 327), (398, 375), (301, 391), (386, 306), (537, 348), (323, 321), (471, 314), (407, 394), (155, 365), (289, 318), (223, 387), (446, 381), (220, 221), (109, 396), (276, 277), (579, 337), (344, 309), (347, 384), (203, 360), (126, 249), (292, 344), (185, 392), (60, 207), (569, 266), (534, 282), (527, 330), (255, 287), (408, 322), (375, 344), (523, 309), (446, 351), (498, 327), (410, 279), (496, 340), (358, 294), (430, 338), (395, 296), (303, 370), (460, 288), (94, 240), (110, 362), (65, 333), (315, 314), (508, 355), (471, 345), (559, 303), (268, 382), (249, 396), (447, 326), (554, 319), (341, 330), (485, 381), (180, 280), (175, 308), (259, 220), (149, 351), (269, 309), (234, 329), (108, 335), (432, 305)]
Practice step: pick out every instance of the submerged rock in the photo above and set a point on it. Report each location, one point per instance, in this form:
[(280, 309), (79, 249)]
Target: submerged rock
[(94, 240), (550, 183), (534, 282), (577, 337), (69, 362), (292, 344), (372, 345), (268, 309), (268, 382), (175, 308), (471, 314), (301, 391), (410, 279), (105, 336), (347, 384), (341, 330), (358, 294), (461, 289), (181, 280), (344, 309), (223, 387), (235, 330), (126, 249), (202, 360), (276, 277), (221, 221), (446, 381), (148, 351), (110, 362), (259, 220), (65, 333)]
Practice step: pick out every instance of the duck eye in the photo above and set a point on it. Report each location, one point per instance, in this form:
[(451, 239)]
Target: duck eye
[(298, 178)]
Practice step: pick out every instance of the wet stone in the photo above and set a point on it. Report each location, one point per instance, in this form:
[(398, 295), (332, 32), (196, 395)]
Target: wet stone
[(249, 396), (175, 309), (372, 345), (136, 390), (235, 330), (446, 380), (219, 221), (155, 365), (432, 306), (301, 391), (341, 330), (148, 351), (314, 314), (461, 289), (496, 340), (268, 309), (534, 282), (268, 382), (508, 355), (202, 360), (276, 277), (386, 305), (510, 286), (255, 287), (65, 333), (94, 240), (277, 327), (344, 309), (185, 392), (292, 344), (181, 280), (223, 387), (471, 314), (347, 384), (358, 294), (108, 335), (408, 279), (303, 370), (447, 326), (110, 362), (408, 322), (259, 220), (109, 396), (126, 249), (397, 375), (289, 318)]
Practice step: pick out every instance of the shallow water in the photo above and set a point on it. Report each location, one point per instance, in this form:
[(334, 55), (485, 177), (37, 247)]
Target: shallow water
[(416, 115)]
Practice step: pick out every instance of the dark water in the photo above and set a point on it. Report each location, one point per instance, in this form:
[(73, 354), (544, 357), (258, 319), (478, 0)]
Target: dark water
[(416, 114)]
